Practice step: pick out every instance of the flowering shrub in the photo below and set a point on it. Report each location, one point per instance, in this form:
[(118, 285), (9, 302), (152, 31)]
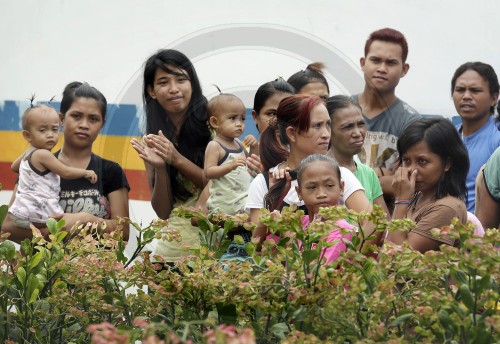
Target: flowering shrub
[(60, 290)]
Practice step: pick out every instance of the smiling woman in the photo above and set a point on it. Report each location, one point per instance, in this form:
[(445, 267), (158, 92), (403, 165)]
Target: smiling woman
[(176, 112)]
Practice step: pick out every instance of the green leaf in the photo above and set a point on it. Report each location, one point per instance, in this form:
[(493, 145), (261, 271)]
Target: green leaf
[(31, 285), (482, 284), (3, 212), (8, 250), (309, 255), (280, 330), (355, 241), (203, 226), (34, 295), (228, 225), (458, 276), (51, 225), (466, 296), (401, 319), (21, 275), (35, 260)]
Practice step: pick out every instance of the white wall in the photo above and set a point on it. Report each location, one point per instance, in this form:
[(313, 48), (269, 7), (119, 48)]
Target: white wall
[(46, 44)]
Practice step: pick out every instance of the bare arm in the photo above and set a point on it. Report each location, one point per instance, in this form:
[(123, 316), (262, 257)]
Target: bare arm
[(404, 182), (212, 156), (45, 158), (166, 150), (487, 209), (162, 199), (16, 164)]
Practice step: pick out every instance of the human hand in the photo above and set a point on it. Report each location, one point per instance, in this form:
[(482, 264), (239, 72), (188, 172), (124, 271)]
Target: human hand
[(147, 154), (163, 147), (238, 161), (91, 176), (250, 141), (279, 174), (254, 166), (403, 183)]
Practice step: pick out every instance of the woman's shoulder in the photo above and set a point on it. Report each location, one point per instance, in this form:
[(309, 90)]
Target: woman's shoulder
[(450, 204)]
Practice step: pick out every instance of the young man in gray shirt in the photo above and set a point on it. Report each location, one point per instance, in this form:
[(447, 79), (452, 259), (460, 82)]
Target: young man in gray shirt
[(386, 116)]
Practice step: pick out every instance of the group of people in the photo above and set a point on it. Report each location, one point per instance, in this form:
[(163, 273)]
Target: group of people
[(315, 150)]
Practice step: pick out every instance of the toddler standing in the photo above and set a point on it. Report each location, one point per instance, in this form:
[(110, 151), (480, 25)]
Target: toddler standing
[(225, 156)]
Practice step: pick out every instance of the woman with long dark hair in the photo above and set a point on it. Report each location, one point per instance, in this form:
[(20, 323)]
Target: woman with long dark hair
[(173, 148)]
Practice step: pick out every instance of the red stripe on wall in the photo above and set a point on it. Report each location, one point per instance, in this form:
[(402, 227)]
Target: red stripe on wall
[(7, 177), (139, 189)]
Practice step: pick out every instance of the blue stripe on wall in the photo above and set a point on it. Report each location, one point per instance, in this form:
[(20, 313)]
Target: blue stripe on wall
[(121, 119)]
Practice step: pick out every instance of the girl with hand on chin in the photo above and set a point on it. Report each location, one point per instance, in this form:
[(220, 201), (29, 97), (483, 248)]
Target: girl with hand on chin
[(429, 184), (173, 148)]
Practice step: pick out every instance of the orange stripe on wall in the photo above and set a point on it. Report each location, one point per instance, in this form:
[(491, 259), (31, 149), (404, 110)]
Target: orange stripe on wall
[(139, 189)]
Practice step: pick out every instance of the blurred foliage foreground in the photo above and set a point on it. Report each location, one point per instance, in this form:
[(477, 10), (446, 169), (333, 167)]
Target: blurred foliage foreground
[(84, 289)]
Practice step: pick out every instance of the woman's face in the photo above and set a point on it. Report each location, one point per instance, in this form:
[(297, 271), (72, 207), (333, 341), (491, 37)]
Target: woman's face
[(317, 138), (268, 111), (173, 92), (82, 122), (348, 131), (315, 89), (430, 167), (472, 97)]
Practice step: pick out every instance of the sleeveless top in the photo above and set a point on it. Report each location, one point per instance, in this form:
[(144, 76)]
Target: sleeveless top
[(37, 194), (228, 194)]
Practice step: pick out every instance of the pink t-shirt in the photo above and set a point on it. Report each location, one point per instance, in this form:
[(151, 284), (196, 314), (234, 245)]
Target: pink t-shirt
[(333, 252)]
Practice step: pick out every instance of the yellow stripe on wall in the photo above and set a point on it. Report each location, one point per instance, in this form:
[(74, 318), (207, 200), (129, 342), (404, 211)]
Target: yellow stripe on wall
[(115, 148)]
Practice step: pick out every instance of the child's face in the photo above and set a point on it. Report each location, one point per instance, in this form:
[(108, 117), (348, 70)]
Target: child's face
[(42, 128), (230, 119), (320, 186)]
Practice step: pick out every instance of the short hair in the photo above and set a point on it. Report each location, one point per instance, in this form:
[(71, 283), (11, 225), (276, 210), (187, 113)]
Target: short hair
[(24, 118), (307, 161), (391, 36), (75, 90), (216, 101), (442, 139), (487, 73), (312, 73)]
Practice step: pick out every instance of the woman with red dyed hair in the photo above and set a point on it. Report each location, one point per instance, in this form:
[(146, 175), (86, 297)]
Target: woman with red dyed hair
[(303, 124)]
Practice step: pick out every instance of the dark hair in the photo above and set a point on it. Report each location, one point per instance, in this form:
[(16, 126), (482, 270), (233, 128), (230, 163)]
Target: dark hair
[(293, 111), (77, 89), (24, 118), (312, 73), (487, 73), (442, 139), (317, 157), (267, 90), (338, 102), (194, 124), (391, 36)]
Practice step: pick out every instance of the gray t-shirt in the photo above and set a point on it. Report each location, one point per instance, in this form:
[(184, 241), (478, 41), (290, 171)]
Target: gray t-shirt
[(384, 130)]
